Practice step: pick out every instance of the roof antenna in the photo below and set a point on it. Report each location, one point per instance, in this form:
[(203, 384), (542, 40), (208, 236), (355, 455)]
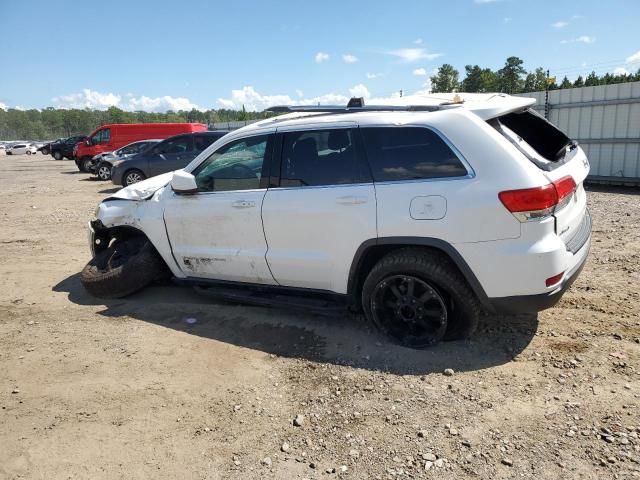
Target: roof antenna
[(356, 102)]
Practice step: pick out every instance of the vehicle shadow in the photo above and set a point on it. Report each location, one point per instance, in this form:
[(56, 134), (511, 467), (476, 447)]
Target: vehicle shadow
[(341, 339), (110, 190)]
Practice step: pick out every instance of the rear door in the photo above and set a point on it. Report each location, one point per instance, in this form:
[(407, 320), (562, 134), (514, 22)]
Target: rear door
[(322, 209)]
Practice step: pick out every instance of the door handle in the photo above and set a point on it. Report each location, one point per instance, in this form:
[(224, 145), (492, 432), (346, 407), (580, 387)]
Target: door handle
[(243, 204), (351, 200)]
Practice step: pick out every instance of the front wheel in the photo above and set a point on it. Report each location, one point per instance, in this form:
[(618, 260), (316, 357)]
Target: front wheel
[(28, 152), (85, 165), (104, 172), (418, 298), (123, 268), (45, 151), (57, 155), (133, 176)]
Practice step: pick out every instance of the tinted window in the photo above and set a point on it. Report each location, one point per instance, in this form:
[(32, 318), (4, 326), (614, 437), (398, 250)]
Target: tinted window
[(175, 145), (203, 141), (409, 153), (320, 157), (235, 166)]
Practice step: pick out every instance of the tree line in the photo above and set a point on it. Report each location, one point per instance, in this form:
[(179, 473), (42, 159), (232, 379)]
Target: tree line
[(514, 78), (51, 123)]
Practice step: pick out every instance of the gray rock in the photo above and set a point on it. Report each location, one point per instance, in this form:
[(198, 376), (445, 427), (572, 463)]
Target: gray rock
[(285, 447), (507, 461), (266, 461), (449, 372), (299, 420)]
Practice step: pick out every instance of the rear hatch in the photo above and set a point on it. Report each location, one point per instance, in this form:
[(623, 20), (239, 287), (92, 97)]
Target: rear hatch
[(561, 160)]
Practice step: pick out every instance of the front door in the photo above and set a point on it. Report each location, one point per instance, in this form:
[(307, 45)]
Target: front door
[(217, 232), (170, 155)]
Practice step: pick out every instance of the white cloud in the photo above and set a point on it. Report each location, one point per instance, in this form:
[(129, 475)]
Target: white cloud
[(3, 106), (560, 24), (88, 99), (418, 41), (507, 19), (420, 72), (159, 104), (100, 101), (408, 55), (321, 57), (581, 39), (585, 39), (299, 93), (621, 71), (348, 58), (635, 58), (360, 91), (377, 75)]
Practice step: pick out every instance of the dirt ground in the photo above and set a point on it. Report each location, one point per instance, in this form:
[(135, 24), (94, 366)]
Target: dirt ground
[(131, 389)]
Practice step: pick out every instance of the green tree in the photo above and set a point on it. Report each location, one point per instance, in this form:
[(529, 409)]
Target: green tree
[(579, 82), (535, 81), (566, 83), (592, 80), (510, 76), (446, 80)]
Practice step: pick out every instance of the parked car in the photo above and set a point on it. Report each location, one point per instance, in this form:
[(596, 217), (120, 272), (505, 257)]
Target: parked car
[(103, 162), (170, 154), (64, 148), (45, 148), (108, 138), (21, 149), (420, 214)]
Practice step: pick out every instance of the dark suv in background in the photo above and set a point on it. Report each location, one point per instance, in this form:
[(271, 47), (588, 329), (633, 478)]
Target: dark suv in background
[(64, 148), (171, 154)]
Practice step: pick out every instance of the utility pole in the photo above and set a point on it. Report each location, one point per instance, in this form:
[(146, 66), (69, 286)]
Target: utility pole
[(546, 97), (401, 92)]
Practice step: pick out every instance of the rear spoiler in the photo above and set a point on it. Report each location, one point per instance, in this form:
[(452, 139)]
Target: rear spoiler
[(499, 105)]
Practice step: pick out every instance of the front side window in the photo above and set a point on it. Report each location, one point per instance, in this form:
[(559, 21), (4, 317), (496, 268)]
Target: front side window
[(103, 136), (235, 166), (320, 157), (409, 153), (201, 142), (175, 145)]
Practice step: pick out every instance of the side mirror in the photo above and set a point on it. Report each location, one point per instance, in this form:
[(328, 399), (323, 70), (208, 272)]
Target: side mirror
[(183, 182)]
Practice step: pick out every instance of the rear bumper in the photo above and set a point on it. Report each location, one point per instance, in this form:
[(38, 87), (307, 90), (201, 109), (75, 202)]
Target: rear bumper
[(536, 303)]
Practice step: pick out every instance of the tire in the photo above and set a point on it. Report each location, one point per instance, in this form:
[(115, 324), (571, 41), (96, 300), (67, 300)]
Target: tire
[(57, 155), (28, 152), (132, 176), (85, 165), (45, 151), (123, 268), (104, 172), (451, 310)]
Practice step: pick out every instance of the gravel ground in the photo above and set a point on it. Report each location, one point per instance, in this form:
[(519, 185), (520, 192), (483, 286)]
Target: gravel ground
[(130, 389)]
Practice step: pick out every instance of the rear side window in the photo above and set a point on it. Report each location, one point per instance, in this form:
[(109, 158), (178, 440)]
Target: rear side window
[(321, 157), (409, 153)]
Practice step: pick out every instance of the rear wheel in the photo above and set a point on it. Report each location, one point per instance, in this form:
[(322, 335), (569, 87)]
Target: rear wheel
[(418, 298), (123, 268), (104, 172), (28, 152), (133, 176), (57, 155), (45, 151)]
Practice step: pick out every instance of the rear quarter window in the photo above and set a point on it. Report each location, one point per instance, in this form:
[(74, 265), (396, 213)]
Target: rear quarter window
[(409, 153)]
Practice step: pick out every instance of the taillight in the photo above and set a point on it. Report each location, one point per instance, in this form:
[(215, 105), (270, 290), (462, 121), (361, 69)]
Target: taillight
[(537, 203)]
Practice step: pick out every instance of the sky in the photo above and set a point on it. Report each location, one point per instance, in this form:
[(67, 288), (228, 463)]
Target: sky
[(160, 55)]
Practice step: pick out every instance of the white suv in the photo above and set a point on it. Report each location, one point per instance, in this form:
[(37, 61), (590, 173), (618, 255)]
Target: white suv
[(421, 214)]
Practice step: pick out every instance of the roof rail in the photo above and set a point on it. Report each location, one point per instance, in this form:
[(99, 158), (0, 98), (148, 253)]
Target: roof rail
[(356, 104)]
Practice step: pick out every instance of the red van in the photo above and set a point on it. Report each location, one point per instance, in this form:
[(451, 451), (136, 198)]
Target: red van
[(108, 138)]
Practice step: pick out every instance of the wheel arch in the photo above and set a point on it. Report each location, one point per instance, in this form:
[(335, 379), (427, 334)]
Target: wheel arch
[(374, 249)]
